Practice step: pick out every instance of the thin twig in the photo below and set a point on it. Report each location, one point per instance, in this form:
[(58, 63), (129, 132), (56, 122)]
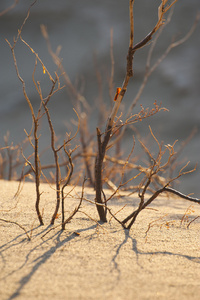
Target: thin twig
[(20, 226)]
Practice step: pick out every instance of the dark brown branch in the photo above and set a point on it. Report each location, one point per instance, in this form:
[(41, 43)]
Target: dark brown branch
[(152, 198), (189, 198), (98, 178), (103, 145), (63, 187), (55, 153)]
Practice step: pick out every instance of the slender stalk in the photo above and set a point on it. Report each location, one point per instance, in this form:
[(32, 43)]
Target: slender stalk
[(37, 173), (63, 187), (35, 124), (103, 145)]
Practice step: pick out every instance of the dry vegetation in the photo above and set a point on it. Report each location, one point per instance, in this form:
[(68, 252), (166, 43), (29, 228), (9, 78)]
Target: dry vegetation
[(97, 154)]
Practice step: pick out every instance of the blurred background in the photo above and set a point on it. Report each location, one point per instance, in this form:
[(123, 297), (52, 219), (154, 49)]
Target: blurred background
[(83, 29)]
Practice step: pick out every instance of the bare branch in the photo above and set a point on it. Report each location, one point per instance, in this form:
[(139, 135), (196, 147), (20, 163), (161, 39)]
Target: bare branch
[(20, 226), (9, 8)]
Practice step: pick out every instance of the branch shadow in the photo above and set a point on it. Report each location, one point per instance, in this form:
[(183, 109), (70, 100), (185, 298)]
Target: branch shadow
[(138, 253), (16, 241), (134, 248), (40, 260), (11, 244)]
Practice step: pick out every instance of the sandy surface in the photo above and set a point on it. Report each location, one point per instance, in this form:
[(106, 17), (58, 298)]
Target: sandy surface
[(91, 261)]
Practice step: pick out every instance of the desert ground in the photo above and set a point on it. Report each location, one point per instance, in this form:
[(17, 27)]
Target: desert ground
[(159, 258)]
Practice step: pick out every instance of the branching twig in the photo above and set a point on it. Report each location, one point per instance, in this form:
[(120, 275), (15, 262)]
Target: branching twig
[(102, 145), (20, 226), (76, 209)]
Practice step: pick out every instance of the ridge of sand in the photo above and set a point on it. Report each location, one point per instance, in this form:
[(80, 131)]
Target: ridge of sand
[(91, 261)]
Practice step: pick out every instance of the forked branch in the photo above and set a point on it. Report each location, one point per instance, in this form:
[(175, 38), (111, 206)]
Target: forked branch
[(102, 145)]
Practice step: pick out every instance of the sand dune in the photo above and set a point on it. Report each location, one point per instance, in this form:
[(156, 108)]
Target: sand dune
[(91, 261)]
